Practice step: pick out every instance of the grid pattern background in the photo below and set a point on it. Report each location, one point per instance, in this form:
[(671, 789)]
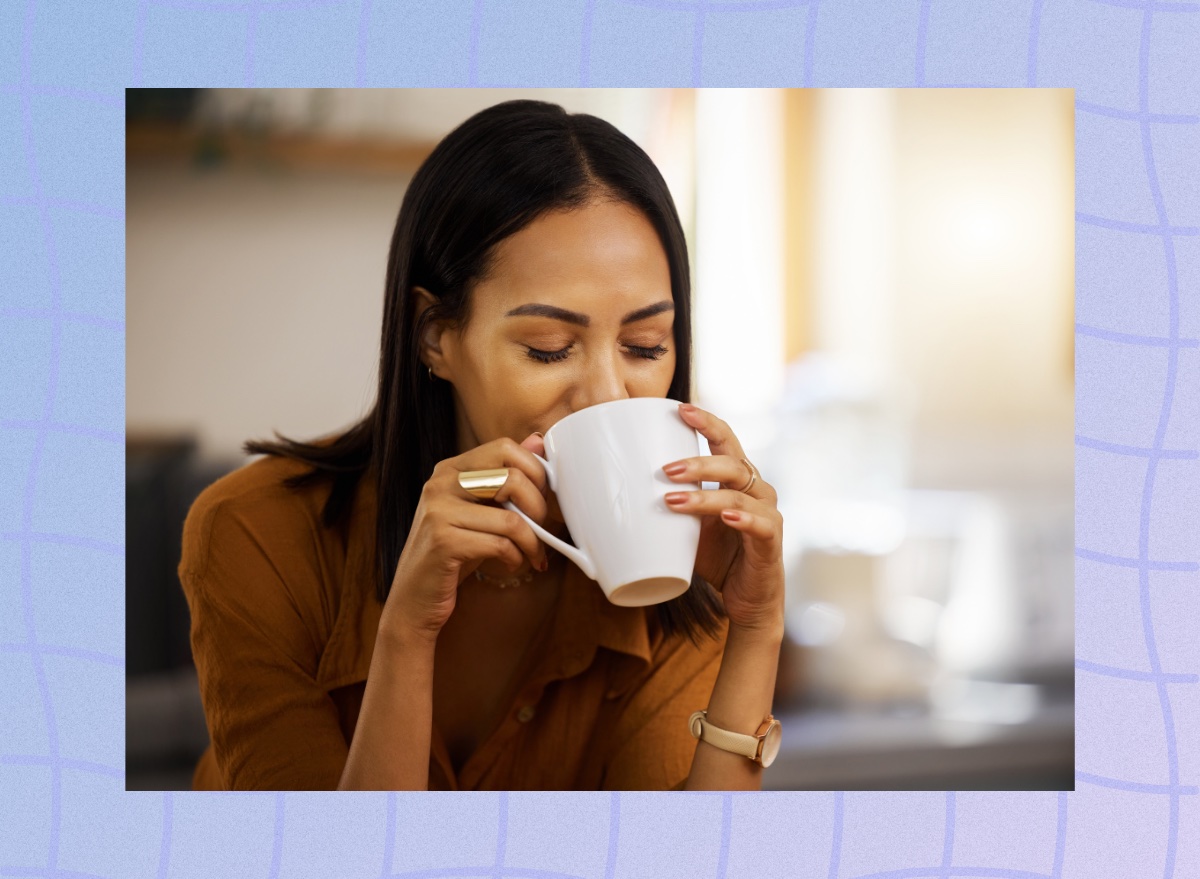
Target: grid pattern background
[(63, 68)]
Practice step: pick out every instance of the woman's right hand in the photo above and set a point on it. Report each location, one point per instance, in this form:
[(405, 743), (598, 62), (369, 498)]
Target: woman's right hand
[(453, 533)]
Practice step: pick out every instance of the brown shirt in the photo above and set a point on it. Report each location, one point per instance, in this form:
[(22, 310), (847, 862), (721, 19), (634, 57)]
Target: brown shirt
[(283, 624)]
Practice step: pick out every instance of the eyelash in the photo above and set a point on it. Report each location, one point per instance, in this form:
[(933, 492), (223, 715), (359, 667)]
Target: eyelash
[(557, 356)]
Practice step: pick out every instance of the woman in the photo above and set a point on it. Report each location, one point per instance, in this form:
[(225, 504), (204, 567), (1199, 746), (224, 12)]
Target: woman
[(361, 621)]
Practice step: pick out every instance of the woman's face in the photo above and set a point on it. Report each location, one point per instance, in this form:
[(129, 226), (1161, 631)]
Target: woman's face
[(577, 311)]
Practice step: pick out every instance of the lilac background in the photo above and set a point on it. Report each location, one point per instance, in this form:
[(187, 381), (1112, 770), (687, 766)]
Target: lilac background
[(63, 67)]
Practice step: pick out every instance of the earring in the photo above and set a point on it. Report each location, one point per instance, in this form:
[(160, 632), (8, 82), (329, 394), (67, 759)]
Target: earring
[(430, 370)]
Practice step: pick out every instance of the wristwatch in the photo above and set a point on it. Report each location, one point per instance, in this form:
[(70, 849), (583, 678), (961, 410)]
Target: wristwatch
[(762, 747)]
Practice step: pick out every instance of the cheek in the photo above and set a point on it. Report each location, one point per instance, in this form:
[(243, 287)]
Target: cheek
[(656, 382)]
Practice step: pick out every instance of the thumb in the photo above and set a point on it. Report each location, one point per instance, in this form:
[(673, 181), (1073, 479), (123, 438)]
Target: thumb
[(535, 443)]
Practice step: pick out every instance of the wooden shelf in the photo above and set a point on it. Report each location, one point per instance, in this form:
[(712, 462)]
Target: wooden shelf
[(168, 143)]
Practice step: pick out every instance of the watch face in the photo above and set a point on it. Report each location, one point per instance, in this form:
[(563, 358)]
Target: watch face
[(770, 748)]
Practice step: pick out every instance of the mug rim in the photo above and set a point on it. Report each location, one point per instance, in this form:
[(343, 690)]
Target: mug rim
[(624, 401)]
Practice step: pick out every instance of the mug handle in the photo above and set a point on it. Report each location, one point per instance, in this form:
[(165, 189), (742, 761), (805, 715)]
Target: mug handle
[(578, 556)]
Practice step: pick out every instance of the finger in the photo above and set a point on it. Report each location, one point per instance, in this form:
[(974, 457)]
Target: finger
[(758, 527), (720, 436), (474, 547), (516, 488), (710, 502), (536, 443), (502, 523), (729, 472), (765, 533), (504, 452)]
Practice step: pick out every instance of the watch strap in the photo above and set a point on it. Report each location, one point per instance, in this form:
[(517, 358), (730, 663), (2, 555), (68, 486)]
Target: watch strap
[(735, 743)]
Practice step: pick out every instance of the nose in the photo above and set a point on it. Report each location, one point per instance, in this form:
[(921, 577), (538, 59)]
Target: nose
[(603, 381)]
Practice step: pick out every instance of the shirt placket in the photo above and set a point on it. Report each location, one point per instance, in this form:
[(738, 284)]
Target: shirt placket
[(524, 708)]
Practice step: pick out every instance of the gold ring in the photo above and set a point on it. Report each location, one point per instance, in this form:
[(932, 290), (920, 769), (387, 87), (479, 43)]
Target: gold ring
[(753, 476), (483, 484)]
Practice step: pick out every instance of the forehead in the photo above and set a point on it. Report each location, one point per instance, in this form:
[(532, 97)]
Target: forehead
[(601, 254)]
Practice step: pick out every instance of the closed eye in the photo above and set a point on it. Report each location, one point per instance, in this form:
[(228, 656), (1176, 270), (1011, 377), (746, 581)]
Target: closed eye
[(560, 355)]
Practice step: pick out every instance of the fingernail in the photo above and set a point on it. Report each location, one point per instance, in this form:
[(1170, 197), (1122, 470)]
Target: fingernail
[(543, 565), (687, 407), (731, 515), (675, 469), (538, 433), (675, 497)]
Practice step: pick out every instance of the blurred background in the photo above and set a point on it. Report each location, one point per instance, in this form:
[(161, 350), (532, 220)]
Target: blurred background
[(883, 312)]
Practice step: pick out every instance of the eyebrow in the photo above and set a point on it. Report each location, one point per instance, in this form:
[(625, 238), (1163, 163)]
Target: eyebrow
[(574, 317)]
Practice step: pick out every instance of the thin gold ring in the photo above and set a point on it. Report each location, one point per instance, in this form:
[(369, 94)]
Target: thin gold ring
[(483, 484), (753, 476)]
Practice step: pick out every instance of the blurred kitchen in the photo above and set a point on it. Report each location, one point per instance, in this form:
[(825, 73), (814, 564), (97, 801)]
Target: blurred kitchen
[(883, 311)]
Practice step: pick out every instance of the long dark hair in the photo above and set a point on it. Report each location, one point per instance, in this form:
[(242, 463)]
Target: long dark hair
[(487, 179)]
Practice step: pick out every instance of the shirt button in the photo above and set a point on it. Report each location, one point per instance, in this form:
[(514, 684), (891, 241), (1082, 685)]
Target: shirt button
[(525, 714)]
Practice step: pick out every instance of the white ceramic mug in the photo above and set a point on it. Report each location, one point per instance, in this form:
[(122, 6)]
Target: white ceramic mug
[(605, 465)]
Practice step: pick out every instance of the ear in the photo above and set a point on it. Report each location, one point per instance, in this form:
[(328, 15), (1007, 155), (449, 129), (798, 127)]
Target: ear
[(433, 338), (437, 345)]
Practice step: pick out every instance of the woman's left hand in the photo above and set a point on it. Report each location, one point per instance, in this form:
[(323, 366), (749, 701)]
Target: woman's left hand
[(741, 533)]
